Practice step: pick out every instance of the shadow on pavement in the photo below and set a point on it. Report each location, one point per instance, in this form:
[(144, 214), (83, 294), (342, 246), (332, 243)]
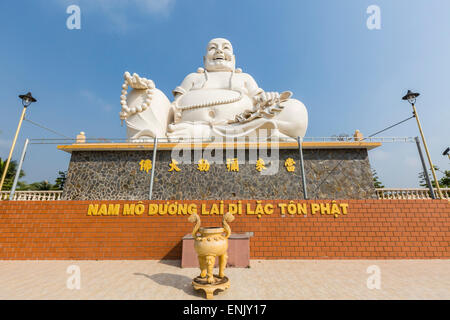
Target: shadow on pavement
[(173, 280), (174, 263)]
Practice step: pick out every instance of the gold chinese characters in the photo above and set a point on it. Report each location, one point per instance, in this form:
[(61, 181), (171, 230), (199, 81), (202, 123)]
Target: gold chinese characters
[(233, 165), (290, 165), (260, 165), (203, 165), (146, 165), (173, 166)]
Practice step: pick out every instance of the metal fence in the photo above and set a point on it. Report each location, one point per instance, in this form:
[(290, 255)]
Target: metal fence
[(207, 140)]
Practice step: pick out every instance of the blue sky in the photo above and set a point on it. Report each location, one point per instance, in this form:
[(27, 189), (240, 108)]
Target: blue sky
[(348, 76)]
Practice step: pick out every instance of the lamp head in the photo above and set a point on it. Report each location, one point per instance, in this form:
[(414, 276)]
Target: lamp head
[(411, 96), (446, 152), (27, 99)]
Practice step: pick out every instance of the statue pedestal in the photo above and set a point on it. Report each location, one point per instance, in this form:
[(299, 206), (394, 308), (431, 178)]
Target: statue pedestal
[(220, 284), (238, 251), (122, 171)]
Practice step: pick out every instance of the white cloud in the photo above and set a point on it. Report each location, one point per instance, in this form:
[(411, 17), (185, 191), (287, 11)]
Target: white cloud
[(5, 143), (148, 6), (412, 162), (379, 155), (397, 164), (92, 98), (151, 6), (115, 10)]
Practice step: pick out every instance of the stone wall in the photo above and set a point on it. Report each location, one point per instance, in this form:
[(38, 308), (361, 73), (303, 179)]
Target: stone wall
[(117, 175)]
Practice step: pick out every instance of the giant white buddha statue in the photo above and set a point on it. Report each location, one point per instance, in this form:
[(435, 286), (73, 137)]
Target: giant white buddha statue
[(217, 100)]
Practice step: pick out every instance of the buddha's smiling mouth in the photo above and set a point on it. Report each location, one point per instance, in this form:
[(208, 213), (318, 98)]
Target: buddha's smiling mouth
[(221, 58)]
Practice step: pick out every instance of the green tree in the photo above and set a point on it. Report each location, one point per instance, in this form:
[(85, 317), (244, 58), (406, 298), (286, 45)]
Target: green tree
[(376, 180), (10, 174), (444, 182), (60, 180), (45, 185), (422, 181), (40, 186)]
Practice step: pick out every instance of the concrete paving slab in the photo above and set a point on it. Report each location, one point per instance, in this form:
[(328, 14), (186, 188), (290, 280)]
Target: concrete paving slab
[(265, 279)]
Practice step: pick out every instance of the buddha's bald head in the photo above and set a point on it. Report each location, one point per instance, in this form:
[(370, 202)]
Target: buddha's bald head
[(219, 56)]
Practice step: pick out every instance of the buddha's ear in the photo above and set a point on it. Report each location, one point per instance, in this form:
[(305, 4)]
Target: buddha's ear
[(234, 62)]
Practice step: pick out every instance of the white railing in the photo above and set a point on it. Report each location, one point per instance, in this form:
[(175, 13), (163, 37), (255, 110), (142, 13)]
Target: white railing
[(385, 193), (33, 195), (409, 193)]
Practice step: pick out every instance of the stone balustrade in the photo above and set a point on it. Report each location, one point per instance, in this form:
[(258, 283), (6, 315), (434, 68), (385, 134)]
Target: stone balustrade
[(47, 195), (409, 193), (385, 193)]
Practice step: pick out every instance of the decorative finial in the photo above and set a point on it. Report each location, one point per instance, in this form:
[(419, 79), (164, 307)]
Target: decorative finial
[(358, 136), (81, 138)]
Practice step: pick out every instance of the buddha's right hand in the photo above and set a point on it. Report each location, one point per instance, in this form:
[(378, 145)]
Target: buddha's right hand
[(141, 86)]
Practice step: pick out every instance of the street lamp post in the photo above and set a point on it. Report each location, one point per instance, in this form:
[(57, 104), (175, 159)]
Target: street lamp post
[(411, 98), (27, 99)]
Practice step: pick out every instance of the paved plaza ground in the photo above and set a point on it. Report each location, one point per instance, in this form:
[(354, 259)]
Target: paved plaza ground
[(265, 279)]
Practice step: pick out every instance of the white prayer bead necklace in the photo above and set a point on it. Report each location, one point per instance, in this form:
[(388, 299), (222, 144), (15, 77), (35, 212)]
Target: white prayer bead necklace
[(216, 102), (126, 111)]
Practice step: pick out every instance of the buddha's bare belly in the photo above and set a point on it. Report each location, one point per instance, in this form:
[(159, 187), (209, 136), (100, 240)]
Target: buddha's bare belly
[(212, 105)]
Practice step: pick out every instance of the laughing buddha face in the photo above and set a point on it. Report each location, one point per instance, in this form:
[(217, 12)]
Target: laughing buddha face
[(219, 56)]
